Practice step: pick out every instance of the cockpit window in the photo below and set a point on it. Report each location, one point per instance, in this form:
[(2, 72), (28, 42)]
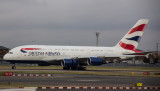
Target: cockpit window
[(10, 52)]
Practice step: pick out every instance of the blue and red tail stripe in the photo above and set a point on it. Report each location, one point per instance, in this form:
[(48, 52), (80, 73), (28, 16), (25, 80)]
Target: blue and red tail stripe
[(138, 28), (136, 38), (127, 46)]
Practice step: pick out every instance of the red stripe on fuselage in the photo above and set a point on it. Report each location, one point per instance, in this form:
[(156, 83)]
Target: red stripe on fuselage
[(138, 28), (30, 48), (136, 51), (141, 52)]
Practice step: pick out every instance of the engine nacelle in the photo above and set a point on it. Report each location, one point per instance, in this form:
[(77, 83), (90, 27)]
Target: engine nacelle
[(95, 61), (74, 62), (69, 62)]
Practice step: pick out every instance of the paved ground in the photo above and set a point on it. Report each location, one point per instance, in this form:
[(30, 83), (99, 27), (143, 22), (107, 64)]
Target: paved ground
[(68, 90), (78, 80), (81, 80), (53, 70)]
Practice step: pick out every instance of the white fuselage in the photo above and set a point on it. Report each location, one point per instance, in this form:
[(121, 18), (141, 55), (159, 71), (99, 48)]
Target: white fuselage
[(47, 53)]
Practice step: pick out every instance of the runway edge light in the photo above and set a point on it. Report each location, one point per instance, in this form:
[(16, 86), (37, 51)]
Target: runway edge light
[(132, 73), (138, 84)]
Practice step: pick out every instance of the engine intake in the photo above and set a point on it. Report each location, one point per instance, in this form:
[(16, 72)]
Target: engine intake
[(95, 61), (69, 62)]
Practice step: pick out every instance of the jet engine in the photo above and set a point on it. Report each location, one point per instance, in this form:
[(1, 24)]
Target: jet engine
[(74, 64), (69, 62), (95, 61)]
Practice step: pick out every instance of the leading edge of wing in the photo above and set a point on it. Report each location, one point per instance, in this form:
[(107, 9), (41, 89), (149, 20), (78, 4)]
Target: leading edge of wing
[(88, 56), (141, 53)]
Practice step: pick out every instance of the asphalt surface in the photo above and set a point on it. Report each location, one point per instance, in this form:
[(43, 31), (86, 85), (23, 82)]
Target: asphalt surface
[(80, 80), (53, 70), (68, 80), (70, 90)]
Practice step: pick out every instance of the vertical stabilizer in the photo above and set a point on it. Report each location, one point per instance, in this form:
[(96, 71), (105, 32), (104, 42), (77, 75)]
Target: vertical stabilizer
[(131, 40)]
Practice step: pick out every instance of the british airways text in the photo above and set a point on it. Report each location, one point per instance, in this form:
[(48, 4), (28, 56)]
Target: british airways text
[(44, 53)]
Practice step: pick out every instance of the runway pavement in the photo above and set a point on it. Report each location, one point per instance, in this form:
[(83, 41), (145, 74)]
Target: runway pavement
[(74, 90), (79, 80), (70, 80), (53, 70)]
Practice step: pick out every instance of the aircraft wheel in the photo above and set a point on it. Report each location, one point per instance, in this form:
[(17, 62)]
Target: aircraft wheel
[(13, 67), (73, 68), (81, 68), (66, 68)]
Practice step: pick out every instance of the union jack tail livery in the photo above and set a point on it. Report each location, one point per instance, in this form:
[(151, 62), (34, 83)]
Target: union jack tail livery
[(131, 39)]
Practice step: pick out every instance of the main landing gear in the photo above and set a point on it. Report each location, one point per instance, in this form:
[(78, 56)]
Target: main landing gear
[(74, 68), (13, 66)]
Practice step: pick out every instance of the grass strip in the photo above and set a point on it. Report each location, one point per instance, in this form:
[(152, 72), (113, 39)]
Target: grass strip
[(88, 68)]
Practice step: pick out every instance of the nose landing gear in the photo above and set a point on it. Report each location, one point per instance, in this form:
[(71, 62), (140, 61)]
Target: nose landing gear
[(13, 66)]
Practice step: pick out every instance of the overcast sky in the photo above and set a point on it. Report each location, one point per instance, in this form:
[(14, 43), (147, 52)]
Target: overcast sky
[(74, 22)]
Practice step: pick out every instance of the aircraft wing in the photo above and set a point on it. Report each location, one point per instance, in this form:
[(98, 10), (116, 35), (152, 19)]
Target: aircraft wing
[(107, 56), (88, 56), (83, 60)]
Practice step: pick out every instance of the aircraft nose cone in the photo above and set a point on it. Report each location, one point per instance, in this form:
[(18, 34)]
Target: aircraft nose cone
[(6, 57)]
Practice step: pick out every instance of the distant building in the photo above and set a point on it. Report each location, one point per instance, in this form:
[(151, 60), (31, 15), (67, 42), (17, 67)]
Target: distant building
[(3, 51)]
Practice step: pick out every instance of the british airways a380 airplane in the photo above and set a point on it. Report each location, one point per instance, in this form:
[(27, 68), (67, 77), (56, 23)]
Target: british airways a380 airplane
[(78, 57)]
